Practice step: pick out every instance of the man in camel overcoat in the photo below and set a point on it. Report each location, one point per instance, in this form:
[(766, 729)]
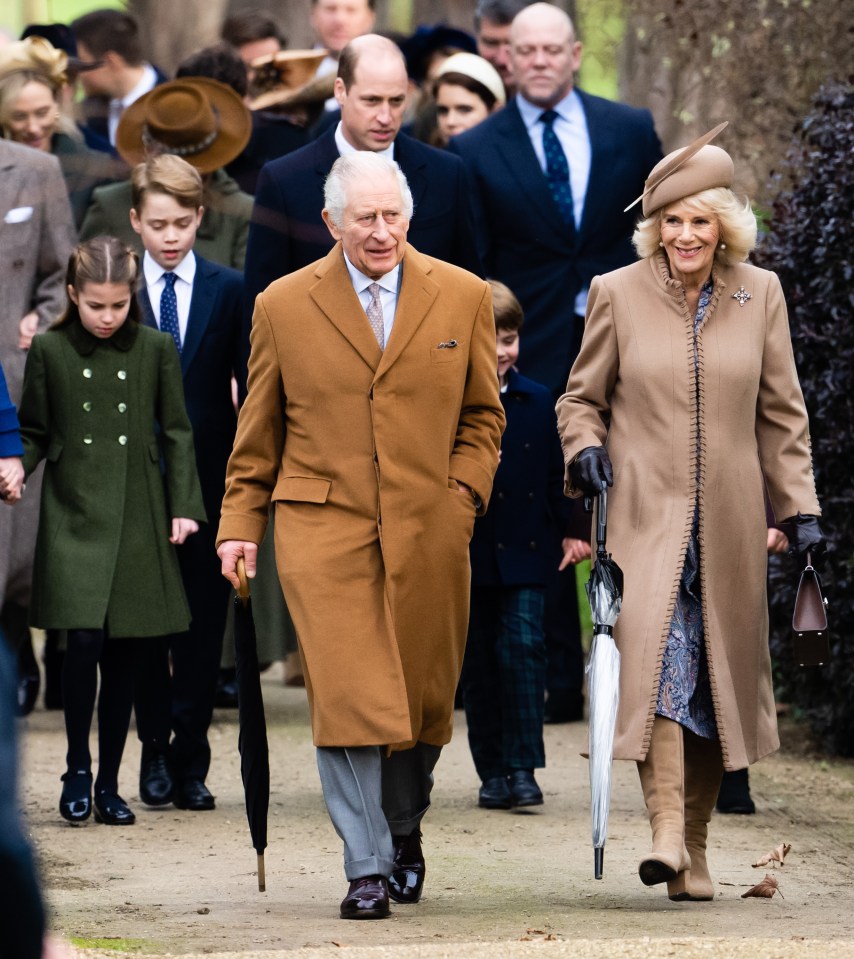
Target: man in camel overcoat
[(373, 423)]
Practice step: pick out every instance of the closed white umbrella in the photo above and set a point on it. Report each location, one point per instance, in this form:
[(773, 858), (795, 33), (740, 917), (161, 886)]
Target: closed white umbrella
[(605, 593)]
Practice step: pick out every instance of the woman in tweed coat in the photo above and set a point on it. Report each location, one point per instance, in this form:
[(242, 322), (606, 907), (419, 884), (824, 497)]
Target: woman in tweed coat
[(686, 383)]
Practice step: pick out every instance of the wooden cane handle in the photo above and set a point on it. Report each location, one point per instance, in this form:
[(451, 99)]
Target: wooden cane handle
[(243, 591)]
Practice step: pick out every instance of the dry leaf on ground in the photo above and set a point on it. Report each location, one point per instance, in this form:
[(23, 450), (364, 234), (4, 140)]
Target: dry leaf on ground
[(764, 889), (776, 855)]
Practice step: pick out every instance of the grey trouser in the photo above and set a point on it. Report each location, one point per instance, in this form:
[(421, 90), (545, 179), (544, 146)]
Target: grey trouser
[(372, 798)]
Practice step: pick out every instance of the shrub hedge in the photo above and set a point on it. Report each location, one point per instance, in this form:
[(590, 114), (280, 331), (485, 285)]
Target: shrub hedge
[(811, 248)]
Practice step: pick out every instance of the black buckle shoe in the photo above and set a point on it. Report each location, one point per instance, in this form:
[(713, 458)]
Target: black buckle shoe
[(75, 803), (112, 810), (407, 877)]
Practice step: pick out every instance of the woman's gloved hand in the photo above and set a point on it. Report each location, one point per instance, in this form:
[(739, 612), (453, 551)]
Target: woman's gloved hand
[(805, 536), (591, 471)]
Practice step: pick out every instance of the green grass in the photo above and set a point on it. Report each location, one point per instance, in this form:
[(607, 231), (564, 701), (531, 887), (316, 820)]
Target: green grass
[(117, 944), (51, 11)]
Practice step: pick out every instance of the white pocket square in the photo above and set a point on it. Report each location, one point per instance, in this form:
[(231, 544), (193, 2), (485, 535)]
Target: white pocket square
[(19, 215)]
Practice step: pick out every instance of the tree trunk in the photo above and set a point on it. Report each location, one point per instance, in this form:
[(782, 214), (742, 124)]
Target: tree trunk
[(172, 31)]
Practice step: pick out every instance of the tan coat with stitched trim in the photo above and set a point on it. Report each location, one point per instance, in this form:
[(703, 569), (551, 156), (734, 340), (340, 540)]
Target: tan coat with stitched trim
[(360, 450), (632, 389)]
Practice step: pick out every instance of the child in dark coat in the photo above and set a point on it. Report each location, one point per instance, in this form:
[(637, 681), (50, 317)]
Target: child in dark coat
[(514, 551), (102, 403)]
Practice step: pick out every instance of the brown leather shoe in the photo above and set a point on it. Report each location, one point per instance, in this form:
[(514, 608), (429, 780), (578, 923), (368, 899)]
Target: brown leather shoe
[(407, 876), (367, 898)]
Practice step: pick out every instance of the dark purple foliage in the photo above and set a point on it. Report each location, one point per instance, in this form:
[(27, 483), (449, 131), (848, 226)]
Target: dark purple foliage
[(811, 248)]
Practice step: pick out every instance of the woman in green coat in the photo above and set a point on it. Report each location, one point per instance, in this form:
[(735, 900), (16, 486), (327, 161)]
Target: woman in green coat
[(103, 405)]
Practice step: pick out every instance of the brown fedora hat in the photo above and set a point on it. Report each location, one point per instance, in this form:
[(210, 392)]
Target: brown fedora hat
[(685, 172), (282, 76), (200, 120)]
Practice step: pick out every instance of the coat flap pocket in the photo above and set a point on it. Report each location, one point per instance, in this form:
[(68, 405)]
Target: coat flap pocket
[(302, 489), (54, 450)]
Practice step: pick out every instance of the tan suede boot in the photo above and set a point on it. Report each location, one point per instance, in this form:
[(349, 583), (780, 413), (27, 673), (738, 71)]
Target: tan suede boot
[(703, 772), (662, 776)]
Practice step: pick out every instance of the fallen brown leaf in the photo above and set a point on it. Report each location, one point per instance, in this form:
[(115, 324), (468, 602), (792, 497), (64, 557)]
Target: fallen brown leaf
[(764, 889), (776, 855)]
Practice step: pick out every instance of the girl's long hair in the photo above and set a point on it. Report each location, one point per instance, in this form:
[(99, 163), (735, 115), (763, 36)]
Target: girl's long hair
[(103, 259)]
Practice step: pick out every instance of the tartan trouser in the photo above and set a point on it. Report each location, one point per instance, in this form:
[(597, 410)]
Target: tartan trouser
[(503, 679)]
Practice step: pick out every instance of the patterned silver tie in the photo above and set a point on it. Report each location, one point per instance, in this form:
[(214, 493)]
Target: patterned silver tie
[(375, 314)]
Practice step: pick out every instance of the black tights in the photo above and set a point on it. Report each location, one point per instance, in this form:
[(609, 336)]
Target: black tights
[(87, 650)]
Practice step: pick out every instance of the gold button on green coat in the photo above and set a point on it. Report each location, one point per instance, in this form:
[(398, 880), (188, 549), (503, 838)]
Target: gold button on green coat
[(88, 406), (87, 439), (122, 407), (123, 440), (87, 373), (121, 375)]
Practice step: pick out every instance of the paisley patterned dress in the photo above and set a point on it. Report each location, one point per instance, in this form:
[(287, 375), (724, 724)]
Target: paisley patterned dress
[(684, 691)]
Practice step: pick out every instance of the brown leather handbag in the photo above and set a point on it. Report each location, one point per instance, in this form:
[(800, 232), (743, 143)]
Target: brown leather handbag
[(810, 638)]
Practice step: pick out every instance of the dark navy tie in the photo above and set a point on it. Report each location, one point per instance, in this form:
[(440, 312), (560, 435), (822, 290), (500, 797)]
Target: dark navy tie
[(169, 309), (557, 168)]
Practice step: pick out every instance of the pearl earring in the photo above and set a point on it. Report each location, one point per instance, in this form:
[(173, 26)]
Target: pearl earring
[(661, 242), (723, 246)]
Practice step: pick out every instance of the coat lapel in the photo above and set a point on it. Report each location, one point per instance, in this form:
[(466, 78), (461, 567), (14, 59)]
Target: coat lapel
[(413, 167), (514, 145), (334, 294), (201, 310), (600, 182), (145, 305), (418, 292)]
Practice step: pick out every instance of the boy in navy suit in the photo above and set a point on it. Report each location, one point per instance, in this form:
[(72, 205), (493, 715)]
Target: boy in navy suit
[(514, 552), (200, 304)]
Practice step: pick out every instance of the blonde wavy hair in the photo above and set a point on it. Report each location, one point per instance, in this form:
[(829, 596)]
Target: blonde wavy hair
[(734, 215), (33, 60)]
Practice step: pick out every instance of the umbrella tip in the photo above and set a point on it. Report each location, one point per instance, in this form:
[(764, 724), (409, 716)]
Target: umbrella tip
[(598, 862)]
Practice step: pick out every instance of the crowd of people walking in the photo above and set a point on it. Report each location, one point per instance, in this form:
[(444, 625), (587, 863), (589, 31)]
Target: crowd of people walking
[(314, 309)]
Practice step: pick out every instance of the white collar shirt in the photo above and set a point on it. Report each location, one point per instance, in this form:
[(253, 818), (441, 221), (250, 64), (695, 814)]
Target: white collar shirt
[(119, 105), (345, 148), (185, 272), (388, 292)]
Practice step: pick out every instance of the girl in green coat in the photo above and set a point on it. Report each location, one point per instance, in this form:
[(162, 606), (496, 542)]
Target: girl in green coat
[(103, 404)]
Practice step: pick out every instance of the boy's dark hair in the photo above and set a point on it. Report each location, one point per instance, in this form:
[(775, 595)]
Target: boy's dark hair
[(105, 30), (506, 309), (219, 62), (103, 259), (250, 26)]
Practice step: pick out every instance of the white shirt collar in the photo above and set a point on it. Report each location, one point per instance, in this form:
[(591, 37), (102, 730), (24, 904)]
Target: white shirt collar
[(147, 82), (153, 272), (345, 148), (361, 282), (569, 108)]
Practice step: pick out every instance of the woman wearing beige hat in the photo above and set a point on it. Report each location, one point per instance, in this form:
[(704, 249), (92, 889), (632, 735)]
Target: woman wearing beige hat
[(685, 398), (466, 90)]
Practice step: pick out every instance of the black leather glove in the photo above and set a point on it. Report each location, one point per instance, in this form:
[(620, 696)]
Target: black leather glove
[(591, 470), (805, 536)]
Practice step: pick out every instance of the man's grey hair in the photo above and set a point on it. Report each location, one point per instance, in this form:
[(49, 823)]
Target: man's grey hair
[(354, 168), (499, 12)]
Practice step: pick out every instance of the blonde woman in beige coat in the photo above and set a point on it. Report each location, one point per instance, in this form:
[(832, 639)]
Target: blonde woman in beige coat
[(685, 398)]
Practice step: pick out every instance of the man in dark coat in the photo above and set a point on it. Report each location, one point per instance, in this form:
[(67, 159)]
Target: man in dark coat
[(551, 174), (287, 230), (545, 255)]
